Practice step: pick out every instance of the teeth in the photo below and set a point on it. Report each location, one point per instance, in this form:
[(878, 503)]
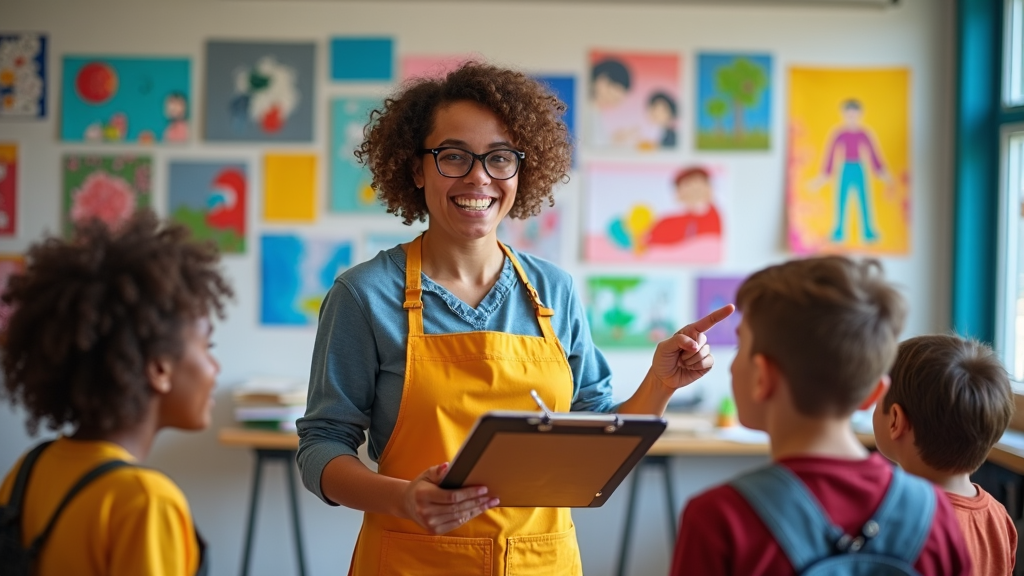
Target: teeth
[(474, 203)]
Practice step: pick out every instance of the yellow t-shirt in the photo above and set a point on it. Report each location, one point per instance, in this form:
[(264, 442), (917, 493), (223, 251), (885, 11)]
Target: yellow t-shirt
[(130, 521)]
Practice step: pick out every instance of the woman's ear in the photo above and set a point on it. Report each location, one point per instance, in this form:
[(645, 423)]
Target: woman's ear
[(417, 171), (159, 374)]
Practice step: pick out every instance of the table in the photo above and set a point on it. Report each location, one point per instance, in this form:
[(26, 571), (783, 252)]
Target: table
[(268, 446)]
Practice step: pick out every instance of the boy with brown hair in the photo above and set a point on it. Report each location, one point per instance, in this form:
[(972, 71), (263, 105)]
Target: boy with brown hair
[(815, 342), (949, 403)]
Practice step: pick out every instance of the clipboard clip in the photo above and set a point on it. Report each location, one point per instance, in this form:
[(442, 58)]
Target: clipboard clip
[(611, 422)]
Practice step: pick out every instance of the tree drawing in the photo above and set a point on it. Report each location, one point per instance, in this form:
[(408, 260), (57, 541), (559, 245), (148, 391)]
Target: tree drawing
[(717, 109), (743, 83)]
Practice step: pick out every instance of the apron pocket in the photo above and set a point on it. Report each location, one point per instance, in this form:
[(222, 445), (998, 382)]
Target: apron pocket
[(419, 554), (544, 555)]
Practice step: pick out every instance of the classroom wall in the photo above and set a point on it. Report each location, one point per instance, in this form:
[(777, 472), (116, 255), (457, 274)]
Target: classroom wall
[(548, 37)]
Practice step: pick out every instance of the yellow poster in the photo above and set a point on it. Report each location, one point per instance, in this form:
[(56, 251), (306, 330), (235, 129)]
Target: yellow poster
[(289, 182), (848, 173)]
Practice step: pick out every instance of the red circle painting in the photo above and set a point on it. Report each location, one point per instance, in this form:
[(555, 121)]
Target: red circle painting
[(96, 82)]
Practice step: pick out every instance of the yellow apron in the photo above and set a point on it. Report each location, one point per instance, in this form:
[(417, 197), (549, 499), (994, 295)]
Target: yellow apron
[(450, 380)]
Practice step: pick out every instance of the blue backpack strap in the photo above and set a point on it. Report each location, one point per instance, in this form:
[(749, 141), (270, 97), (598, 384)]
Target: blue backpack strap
[(904, 518), (791, 513)]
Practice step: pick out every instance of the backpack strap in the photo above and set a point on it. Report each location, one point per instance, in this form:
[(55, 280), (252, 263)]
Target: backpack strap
[(904, 518), (14, 505), (40, 540), (791, 513)]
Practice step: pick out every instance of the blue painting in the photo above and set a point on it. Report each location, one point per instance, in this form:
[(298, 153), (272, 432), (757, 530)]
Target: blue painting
[(350, 181), (356, 59), (734, 101), (564, 87), (142, 100), (23, 75), (297, 272)]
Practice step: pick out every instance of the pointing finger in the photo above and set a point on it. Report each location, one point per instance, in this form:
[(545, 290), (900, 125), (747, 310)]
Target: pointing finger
[(707, 322)]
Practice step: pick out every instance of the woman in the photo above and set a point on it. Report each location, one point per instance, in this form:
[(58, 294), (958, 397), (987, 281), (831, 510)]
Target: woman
[(418, 342), (109, 342)]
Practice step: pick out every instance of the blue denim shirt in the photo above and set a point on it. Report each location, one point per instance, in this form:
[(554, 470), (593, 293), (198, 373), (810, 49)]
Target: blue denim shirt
[(358, 368)]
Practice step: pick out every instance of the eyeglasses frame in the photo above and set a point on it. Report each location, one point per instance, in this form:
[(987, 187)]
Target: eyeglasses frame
[(435, 151)]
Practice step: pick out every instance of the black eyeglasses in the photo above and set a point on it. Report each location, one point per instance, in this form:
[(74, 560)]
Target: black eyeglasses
[(500, 164)]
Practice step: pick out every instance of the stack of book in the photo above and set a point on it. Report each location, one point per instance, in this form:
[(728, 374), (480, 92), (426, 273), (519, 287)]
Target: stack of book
[(270, 403)]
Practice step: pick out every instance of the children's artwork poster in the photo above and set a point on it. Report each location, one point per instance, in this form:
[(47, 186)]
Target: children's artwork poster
[(376, 242), (10, 265), (8, 189), (210, 198), (289, 182), (564, 87), (433, 66), (713, 292), (362, 59), (539, 235), (107, 188), (632, 311), (634, 100), (350, 180), (734, 101), (115, 99), (259, 91), (22, 75), (654, 213), (848, 174), (297, 272)]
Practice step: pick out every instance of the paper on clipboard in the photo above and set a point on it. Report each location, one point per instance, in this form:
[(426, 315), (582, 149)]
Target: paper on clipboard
[(544, 459)]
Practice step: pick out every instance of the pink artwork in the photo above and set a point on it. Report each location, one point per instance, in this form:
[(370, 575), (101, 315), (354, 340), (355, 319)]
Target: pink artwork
[(106, 188), (653, 213), (434, 66), (634, 100)]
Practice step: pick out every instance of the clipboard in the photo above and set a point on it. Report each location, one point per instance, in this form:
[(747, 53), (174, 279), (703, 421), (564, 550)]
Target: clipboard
[(546, 459)]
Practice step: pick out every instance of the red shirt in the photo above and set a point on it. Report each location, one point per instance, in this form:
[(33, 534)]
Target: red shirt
[(683, 227), (721, 534), (990, 534)]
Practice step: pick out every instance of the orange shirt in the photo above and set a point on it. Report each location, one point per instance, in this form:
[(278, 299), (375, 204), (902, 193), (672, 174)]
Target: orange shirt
[(990, 535), (130, 521)]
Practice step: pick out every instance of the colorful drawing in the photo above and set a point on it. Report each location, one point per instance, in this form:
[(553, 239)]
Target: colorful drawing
[(634, 100), (632, 311), (712, 294), (10, 265), (297, 272), (350, 181), (259, 91), (653, 213), (22, 75), (375, 242), (289, 183), (540, 235), (734, 101), (433, 66), (8, 189), (107, 99), (848, 175), (107, 188), (564, 87), (210, 198), (359, 59)]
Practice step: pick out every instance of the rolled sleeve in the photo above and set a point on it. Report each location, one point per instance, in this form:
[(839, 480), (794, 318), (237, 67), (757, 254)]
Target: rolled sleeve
[(590, 369)]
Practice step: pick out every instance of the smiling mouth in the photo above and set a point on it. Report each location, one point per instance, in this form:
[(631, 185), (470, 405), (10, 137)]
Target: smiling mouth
[(474, 204)]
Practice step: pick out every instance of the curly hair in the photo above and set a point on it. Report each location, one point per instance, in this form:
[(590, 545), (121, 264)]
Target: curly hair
[(528, 110), (90, 313)]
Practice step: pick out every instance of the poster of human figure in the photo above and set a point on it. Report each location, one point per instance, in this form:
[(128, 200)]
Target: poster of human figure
[(633, 101), (654, 212), (848, 175)]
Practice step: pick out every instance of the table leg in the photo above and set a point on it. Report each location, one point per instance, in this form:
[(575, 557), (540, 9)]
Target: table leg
[(296, 526), (624, 548), (673, 521), (253, 502)]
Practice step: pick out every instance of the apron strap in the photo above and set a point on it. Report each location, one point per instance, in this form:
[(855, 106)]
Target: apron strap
[(544, 313), (413, 287)]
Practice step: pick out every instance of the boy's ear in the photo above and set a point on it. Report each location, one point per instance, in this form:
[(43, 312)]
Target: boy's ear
[(159, 374), (899, 425), (766, 379), (877, 394)]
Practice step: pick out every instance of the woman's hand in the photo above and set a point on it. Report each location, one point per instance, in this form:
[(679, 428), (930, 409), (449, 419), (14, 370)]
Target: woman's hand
[(440, 510), (686, 356)]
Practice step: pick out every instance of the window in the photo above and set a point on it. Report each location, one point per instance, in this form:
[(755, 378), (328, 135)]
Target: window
[(1010, 311)]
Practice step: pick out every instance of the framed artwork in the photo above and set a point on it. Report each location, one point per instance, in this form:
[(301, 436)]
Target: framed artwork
[(734, 101), (107, 188), (634, 100), (297, 272), (22, 75), (211, 198)]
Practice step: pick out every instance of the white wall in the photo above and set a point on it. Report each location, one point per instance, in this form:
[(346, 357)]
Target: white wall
[(539, 37)]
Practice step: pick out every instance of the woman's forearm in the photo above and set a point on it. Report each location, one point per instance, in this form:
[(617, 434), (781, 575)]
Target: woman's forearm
[(348, 482)]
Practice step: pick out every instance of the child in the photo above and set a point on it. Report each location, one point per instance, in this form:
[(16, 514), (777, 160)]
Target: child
[(816, 339), (108, 343), (950, 401)]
